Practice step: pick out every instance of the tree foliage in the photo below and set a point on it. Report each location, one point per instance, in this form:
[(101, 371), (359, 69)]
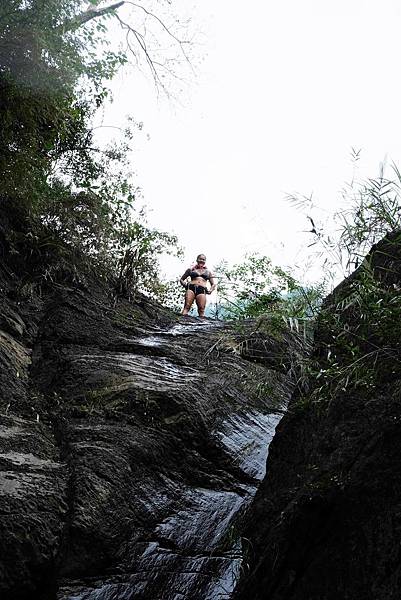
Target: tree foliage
[(44, 112), (75, 198), (256, 287), (358, 349)]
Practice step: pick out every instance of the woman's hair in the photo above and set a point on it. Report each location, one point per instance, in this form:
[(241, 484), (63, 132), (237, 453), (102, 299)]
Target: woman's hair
[(201, 254)]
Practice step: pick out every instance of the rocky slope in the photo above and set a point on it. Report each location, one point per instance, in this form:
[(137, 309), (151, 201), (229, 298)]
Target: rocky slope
[(132, 442), (133, 445), (326, 521)]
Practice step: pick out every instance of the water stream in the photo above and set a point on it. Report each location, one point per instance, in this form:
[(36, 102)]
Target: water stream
[(195, 552)]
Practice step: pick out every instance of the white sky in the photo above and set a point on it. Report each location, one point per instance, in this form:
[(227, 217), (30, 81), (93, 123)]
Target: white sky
[(285, 89)]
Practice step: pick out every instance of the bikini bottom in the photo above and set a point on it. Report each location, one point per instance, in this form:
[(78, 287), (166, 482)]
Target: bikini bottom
[(196, 289)]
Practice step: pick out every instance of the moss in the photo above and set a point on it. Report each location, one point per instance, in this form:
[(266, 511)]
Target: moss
[(180, 417)]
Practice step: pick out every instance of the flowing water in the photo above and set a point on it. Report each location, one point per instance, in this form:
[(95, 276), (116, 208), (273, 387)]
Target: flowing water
[(196, 551)]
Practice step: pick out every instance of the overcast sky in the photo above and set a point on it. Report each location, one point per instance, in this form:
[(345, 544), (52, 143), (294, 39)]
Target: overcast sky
[(284, 92)]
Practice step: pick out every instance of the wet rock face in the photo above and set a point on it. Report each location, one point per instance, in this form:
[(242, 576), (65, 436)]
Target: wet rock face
[(132, 442), (133, 448), (326, 521)]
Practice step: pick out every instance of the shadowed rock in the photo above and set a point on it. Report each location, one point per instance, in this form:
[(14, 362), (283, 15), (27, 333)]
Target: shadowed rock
[(326, 521), (132, 443)]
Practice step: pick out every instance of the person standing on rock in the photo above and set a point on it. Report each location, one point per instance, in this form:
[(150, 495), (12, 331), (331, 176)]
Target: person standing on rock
[(196, 288)]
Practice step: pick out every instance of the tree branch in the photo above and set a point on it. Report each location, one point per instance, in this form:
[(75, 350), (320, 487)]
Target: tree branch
[(88, 15)]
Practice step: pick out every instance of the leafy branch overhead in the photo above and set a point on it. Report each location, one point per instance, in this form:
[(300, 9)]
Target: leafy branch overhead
[(150, 35), (56, 57), (91, 13)]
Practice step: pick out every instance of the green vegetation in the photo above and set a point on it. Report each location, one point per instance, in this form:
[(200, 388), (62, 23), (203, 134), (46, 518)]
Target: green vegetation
[(361, 329), (70, 204), (51, 83), (359, 332), (359, 323), (256, 288)]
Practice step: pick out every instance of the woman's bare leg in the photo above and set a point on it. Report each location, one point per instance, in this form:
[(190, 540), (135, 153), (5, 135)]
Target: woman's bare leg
[(201, 304), (189, 300)]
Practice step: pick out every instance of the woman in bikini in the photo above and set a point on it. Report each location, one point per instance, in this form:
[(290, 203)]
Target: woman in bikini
[(197, 289)]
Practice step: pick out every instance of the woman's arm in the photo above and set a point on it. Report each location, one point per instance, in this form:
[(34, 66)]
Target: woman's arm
[(184, 277), (212, 283)]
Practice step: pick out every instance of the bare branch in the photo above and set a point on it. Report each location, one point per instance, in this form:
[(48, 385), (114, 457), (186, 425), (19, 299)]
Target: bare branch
[(179, 41), (164, 26), (143, 46), (137, 40)]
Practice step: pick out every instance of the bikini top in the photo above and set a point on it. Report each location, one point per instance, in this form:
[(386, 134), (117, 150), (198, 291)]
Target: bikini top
[(194, 274)]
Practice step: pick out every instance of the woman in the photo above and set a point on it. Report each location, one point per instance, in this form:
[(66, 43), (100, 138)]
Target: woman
[(199, 275)]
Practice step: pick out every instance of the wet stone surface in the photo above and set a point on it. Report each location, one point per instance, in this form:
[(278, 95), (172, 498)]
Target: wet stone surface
[(130, 454)]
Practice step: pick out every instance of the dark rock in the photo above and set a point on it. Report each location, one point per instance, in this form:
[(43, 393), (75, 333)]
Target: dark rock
[(326, 522), (132, 441), (133, 448)]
